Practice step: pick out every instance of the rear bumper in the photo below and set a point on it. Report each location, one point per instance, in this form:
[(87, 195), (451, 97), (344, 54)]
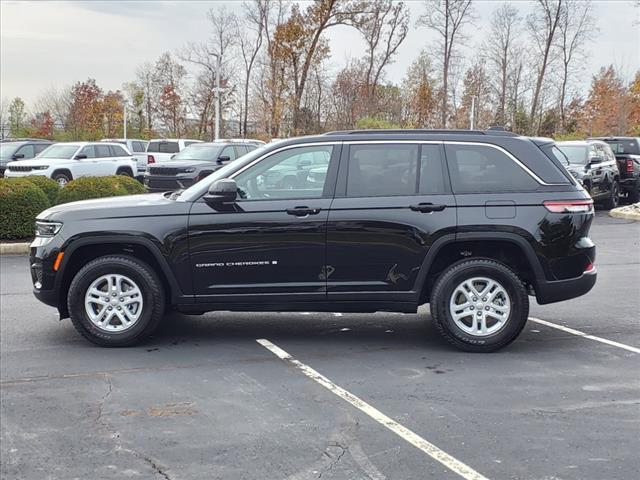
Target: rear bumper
[(629, 184), (559, 290)]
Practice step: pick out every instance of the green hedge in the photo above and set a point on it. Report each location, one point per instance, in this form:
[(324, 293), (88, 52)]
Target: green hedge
[(20, 203), (86, 188), (48, 186)]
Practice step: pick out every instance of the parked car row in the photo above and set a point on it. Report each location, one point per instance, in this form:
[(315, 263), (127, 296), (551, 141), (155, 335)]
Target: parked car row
[(65, 161), (607, 167)]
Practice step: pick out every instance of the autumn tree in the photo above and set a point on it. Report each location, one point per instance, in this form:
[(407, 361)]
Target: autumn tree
[(605, 110), (43, 125), (448, 19), (477, 95), (85, 114), (633, 124), (170, 75), (419, 90), (113, 114)]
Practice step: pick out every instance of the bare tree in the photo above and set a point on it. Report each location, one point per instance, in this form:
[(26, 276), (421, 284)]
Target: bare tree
[(501, 48), (384, 28), (447, 18), (543, 25), (575, 30), (249, 33)]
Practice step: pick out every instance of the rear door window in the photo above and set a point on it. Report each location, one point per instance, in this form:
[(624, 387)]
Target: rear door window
[(382, 170), (103, 151), (163, 147), (485, 169)]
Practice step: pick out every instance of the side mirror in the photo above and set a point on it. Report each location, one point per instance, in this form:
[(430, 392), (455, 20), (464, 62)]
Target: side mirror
[(224, 159), (222, 191), (80, 156), (17, 156), (595, 160)]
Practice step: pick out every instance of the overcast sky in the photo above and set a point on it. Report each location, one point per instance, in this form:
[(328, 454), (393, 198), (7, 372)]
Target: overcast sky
[(44, 44)]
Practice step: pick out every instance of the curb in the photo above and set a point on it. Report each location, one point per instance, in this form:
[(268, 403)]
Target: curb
[(14, 248), (626, 216), (623, 212)]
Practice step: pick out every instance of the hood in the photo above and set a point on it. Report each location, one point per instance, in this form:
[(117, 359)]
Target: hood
[(116, 207), (34, 162), (186, 164)]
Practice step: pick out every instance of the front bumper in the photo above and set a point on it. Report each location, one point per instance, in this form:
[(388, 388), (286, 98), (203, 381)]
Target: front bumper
[(164, 183), (46, 288)]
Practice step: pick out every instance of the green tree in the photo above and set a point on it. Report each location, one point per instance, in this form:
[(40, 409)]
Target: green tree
[(17, 118)]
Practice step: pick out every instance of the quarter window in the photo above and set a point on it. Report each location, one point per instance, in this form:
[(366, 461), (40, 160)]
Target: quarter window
[(118, 151), (484, 169), (137, 146), (382, 170), (292, 173)]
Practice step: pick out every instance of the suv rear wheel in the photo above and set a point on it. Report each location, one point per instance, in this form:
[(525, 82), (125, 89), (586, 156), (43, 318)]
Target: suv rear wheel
[(613, 199), (479, 305), (115, 301)]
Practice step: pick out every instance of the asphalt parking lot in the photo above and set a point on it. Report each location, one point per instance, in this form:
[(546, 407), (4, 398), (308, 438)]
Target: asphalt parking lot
[(204, 399)]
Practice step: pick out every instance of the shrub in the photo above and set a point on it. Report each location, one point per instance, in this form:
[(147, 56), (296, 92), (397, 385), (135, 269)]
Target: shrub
[(131, 185), (20, 203), (48, 186), (86, 188)]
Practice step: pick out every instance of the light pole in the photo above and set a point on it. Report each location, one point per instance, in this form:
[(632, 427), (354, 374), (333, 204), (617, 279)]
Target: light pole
[(473, 112), (124, 119), (217, 95)]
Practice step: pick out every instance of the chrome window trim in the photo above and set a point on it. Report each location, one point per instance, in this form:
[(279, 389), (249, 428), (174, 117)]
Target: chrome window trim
[(453, 142), (281, 149)]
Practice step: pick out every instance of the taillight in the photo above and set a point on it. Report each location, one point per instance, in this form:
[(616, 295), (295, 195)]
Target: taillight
[(629, 165), (151, 159), (569, 206), (589, 268)]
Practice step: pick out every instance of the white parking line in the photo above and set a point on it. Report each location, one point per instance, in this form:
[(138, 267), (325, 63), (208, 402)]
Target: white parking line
[(585, 335), (414, 439)]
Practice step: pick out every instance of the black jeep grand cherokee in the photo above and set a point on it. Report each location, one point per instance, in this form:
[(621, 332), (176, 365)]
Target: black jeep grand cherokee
[(471, 222)]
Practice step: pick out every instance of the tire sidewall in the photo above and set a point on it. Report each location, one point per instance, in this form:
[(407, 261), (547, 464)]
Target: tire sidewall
[(517, 297), (76, 298)]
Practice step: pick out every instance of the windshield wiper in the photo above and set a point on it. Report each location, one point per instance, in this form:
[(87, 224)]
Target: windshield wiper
[(176, 194)]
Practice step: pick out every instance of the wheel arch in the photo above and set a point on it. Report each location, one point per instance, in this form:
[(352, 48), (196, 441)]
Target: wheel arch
[(81, 251), (508, 248), (64, 171)]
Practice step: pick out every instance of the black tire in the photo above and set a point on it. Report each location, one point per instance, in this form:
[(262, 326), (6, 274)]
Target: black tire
[(613, 200), (126, 172), (634, 193), (62, 179), (152, 295), (444, 289)]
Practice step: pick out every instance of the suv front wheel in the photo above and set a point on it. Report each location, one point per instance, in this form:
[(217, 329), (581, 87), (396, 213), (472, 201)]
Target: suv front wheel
[(115, 301), (479, 305)]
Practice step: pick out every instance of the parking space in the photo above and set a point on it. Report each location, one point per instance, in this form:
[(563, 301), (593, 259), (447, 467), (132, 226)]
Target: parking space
[(204, 399)]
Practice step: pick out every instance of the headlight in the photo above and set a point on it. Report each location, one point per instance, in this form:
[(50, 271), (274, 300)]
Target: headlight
[(40, 167), (189, 170), (47, 229)]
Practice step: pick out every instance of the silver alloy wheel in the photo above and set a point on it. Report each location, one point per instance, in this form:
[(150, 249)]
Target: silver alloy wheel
[(62, 181), (113, 303), (480, 306)]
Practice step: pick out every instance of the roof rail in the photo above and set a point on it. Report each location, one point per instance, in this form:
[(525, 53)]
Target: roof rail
[(424, 131)]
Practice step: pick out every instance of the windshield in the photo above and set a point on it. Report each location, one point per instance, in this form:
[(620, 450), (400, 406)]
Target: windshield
[(576, 154), (61, 150), (621, 147), (199, 152), (199, 188), (7, 149)]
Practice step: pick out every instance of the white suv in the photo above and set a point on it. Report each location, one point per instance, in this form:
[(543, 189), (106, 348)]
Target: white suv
[(137, 148), (163, 149), (65, 161)]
